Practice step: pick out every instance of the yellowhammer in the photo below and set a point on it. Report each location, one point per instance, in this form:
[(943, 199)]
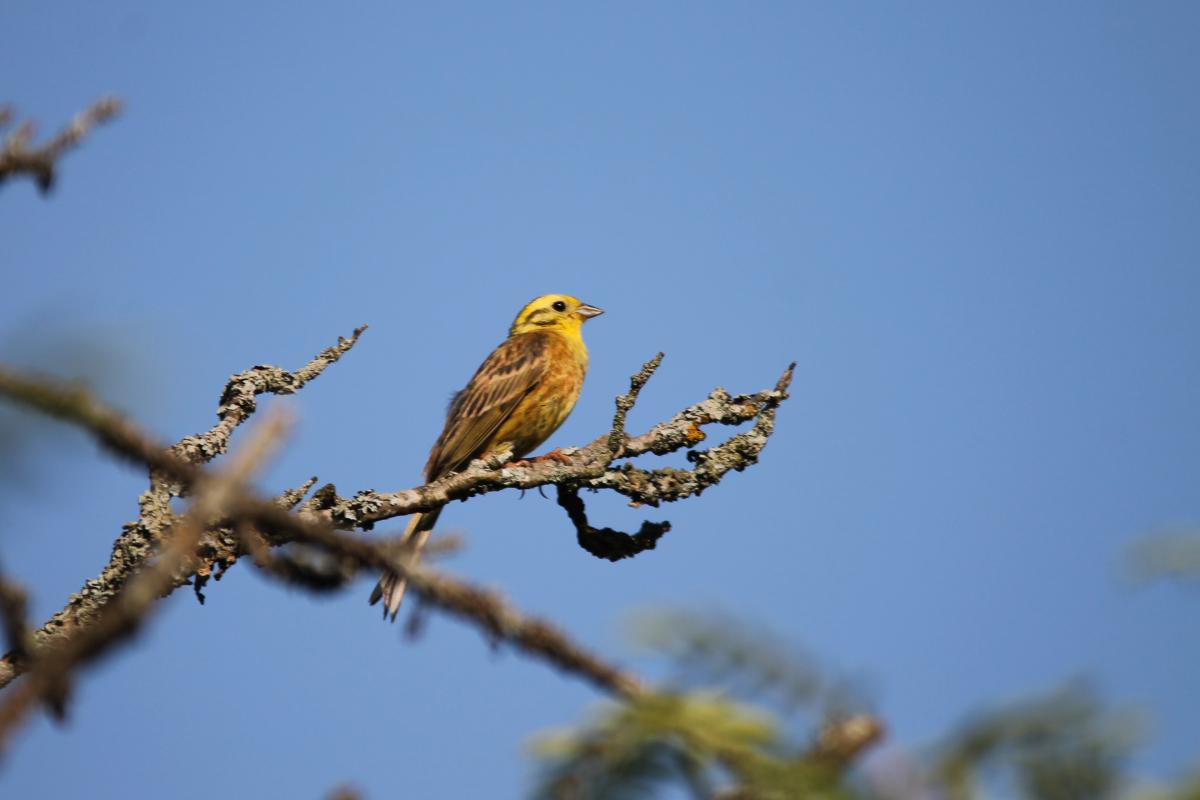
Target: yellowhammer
[(519, 396)]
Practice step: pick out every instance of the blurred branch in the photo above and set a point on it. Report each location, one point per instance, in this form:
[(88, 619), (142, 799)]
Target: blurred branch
[(15, 614), (484, 609), (17, 157)]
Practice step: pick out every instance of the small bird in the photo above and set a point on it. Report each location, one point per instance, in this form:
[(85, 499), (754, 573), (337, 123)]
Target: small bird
[(519, 396)]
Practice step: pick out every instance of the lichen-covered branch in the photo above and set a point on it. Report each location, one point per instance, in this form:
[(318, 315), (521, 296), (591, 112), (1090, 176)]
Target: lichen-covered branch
[(652, 487), (17, 157), (593, 466), (240, 399), (171, 469)]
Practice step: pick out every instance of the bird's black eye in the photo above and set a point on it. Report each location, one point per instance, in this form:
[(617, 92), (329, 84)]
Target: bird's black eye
[(559, 305)]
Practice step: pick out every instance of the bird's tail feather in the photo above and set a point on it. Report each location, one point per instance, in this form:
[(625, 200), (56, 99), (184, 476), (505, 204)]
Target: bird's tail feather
[(391, 586)]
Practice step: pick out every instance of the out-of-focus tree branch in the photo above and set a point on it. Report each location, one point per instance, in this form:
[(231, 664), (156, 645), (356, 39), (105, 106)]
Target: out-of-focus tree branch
[(19, 157)]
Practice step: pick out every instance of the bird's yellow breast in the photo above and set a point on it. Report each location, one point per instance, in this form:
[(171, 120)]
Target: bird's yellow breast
[(547, 406)]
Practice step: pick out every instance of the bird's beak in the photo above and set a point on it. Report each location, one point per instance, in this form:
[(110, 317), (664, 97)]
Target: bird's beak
[(587, 312)]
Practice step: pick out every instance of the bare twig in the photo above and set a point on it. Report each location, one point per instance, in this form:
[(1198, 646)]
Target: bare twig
[(40, 163)]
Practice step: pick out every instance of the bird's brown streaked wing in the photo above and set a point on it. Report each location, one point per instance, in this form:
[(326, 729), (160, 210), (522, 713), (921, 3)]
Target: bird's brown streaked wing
[(501, 382)]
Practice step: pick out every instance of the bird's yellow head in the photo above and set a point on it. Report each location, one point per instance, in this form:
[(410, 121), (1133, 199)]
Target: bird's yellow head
[(553, 312)]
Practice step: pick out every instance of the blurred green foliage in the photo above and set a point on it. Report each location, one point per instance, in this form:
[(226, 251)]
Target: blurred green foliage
[(1169, 553), (698, 742), (1063, 746)]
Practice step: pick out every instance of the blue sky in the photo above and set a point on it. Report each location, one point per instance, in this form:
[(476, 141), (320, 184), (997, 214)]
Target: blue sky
[(973, 227)]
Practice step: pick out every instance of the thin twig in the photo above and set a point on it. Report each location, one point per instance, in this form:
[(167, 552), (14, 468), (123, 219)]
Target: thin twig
[(617, 437)]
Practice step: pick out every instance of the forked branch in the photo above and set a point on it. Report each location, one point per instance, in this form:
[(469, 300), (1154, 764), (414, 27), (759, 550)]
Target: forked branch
[(19, 157)]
